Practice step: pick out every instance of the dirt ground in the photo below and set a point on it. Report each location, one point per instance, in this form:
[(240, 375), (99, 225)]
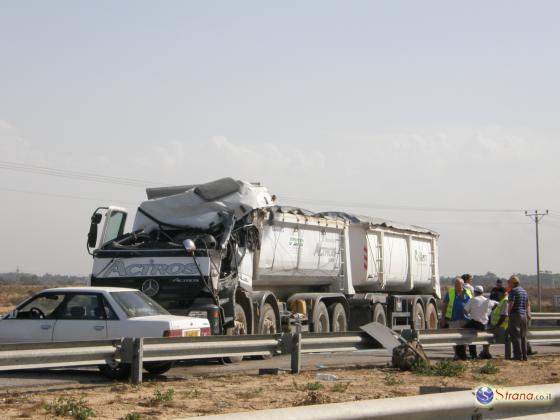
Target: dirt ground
[(11, 295), (197, 396)]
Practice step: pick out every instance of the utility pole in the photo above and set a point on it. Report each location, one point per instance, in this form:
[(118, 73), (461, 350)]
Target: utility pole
[(536, 217)]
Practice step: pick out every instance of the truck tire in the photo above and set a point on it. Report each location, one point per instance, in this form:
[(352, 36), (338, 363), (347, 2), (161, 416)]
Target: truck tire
[(379, 314), (339, 320), (119, 371), (267, 323), (418, 320), (321, 322), (239, 328), (431, 317), (158, 368)]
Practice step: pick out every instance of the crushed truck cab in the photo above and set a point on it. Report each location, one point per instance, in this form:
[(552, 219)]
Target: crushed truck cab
[(227, 252)]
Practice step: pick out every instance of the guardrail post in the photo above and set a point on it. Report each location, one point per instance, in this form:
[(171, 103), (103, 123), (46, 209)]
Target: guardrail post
[(296, 348), (137, 356), (296, 353)]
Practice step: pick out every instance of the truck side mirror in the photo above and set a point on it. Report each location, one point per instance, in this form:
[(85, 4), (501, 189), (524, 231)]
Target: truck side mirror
[(92, 234)]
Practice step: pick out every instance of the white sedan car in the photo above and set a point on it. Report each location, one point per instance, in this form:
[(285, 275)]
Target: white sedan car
[(96, 313)]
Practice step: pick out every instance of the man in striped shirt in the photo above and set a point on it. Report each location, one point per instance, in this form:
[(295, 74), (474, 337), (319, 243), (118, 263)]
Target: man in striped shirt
[(519, 313)]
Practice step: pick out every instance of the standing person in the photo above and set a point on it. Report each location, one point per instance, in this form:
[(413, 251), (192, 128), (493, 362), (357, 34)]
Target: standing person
[(519, 311), (468, 278), (478, 309), (494, 291), (499, 322), (453, 312)]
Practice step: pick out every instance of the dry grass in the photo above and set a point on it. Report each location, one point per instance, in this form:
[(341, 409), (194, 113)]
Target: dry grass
[(195, 396), (11, 295)]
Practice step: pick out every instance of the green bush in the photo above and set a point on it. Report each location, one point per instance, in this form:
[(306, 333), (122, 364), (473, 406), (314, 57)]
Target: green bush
[(340, 387), (391, 380), (132, 416), (441, 368), (314, 386), (70, 407), (489, 368), (161, 397)]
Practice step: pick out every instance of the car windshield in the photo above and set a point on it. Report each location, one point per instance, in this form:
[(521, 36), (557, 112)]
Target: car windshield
[(136, 304)]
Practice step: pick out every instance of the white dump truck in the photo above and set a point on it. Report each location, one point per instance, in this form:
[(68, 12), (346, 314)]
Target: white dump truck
[(227, 252)]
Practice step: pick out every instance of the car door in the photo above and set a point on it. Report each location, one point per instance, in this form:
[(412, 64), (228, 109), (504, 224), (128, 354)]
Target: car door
[(81, 318), (33, 321)]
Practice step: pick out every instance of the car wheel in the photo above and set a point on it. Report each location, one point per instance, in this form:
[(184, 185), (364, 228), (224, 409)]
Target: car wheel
[(119, 371), (158, 368), (239, 328)]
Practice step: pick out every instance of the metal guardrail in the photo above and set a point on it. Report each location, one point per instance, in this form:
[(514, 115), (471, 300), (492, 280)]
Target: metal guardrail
[(451, 337), (53, 355), (138, 350), (441, 406), (545, 316), (135, 351)]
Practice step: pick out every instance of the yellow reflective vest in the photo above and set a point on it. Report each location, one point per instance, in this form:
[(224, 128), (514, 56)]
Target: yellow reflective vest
[(451, 293), (496, 315)]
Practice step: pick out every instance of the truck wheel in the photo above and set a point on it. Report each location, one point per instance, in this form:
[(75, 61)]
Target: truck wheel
[(267, 324), (119, 371), (339, 323), (379, 314), (321, 322), (158, 368), (418, 317), (239, 328), (431, 317)]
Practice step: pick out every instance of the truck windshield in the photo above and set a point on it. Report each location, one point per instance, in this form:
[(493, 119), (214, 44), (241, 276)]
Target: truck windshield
[(136, 304)]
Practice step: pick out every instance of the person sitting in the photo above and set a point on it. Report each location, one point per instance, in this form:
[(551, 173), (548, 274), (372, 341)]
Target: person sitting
[(453, 312), (478, 309)]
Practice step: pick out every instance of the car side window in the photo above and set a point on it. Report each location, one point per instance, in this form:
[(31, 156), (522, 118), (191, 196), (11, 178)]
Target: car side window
[(82, 306), (41, 306), (111, 315)]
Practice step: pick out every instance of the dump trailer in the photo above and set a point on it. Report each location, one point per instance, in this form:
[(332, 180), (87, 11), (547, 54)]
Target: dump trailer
[(228, 252)]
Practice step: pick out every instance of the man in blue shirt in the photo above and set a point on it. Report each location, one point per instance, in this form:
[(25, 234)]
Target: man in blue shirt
[(519, 313), (453, 314)]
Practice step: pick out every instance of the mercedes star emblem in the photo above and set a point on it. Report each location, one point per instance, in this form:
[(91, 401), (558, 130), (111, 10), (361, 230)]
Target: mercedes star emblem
[(150, 287)]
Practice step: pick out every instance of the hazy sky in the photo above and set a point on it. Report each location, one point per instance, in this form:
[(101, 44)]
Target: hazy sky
[(397, 109)]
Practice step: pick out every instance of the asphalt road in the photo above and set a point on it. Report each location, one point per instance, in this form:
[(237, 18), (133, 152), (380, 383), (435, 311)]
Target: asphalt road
[(65, 378)]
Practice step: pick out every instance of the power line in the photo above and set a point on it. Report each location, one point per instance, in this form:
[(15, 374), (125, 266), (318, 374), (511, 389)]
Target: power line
[(77, 175), (136, 182), (392, 207), (71, 197)]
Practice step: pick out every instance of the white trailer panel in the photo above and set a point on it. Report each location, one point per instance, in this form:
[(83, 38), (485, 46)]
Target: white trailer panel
[(304, 251), (395, 261), (299, 251)]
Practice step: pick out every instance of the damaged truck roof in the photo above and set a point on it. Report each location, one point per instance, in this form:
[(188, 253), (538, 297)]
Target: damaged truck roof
[(202, 206)]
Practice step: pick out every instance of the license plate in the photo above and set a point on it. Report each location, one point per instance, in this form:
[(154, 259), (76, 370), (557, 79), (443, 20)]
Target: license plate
[(191, 333)]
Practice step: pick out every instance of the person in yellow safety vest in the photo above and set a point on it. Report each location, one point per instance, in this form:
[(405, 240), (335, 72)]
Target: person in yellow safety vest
[(453, 314), (499, 321)]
